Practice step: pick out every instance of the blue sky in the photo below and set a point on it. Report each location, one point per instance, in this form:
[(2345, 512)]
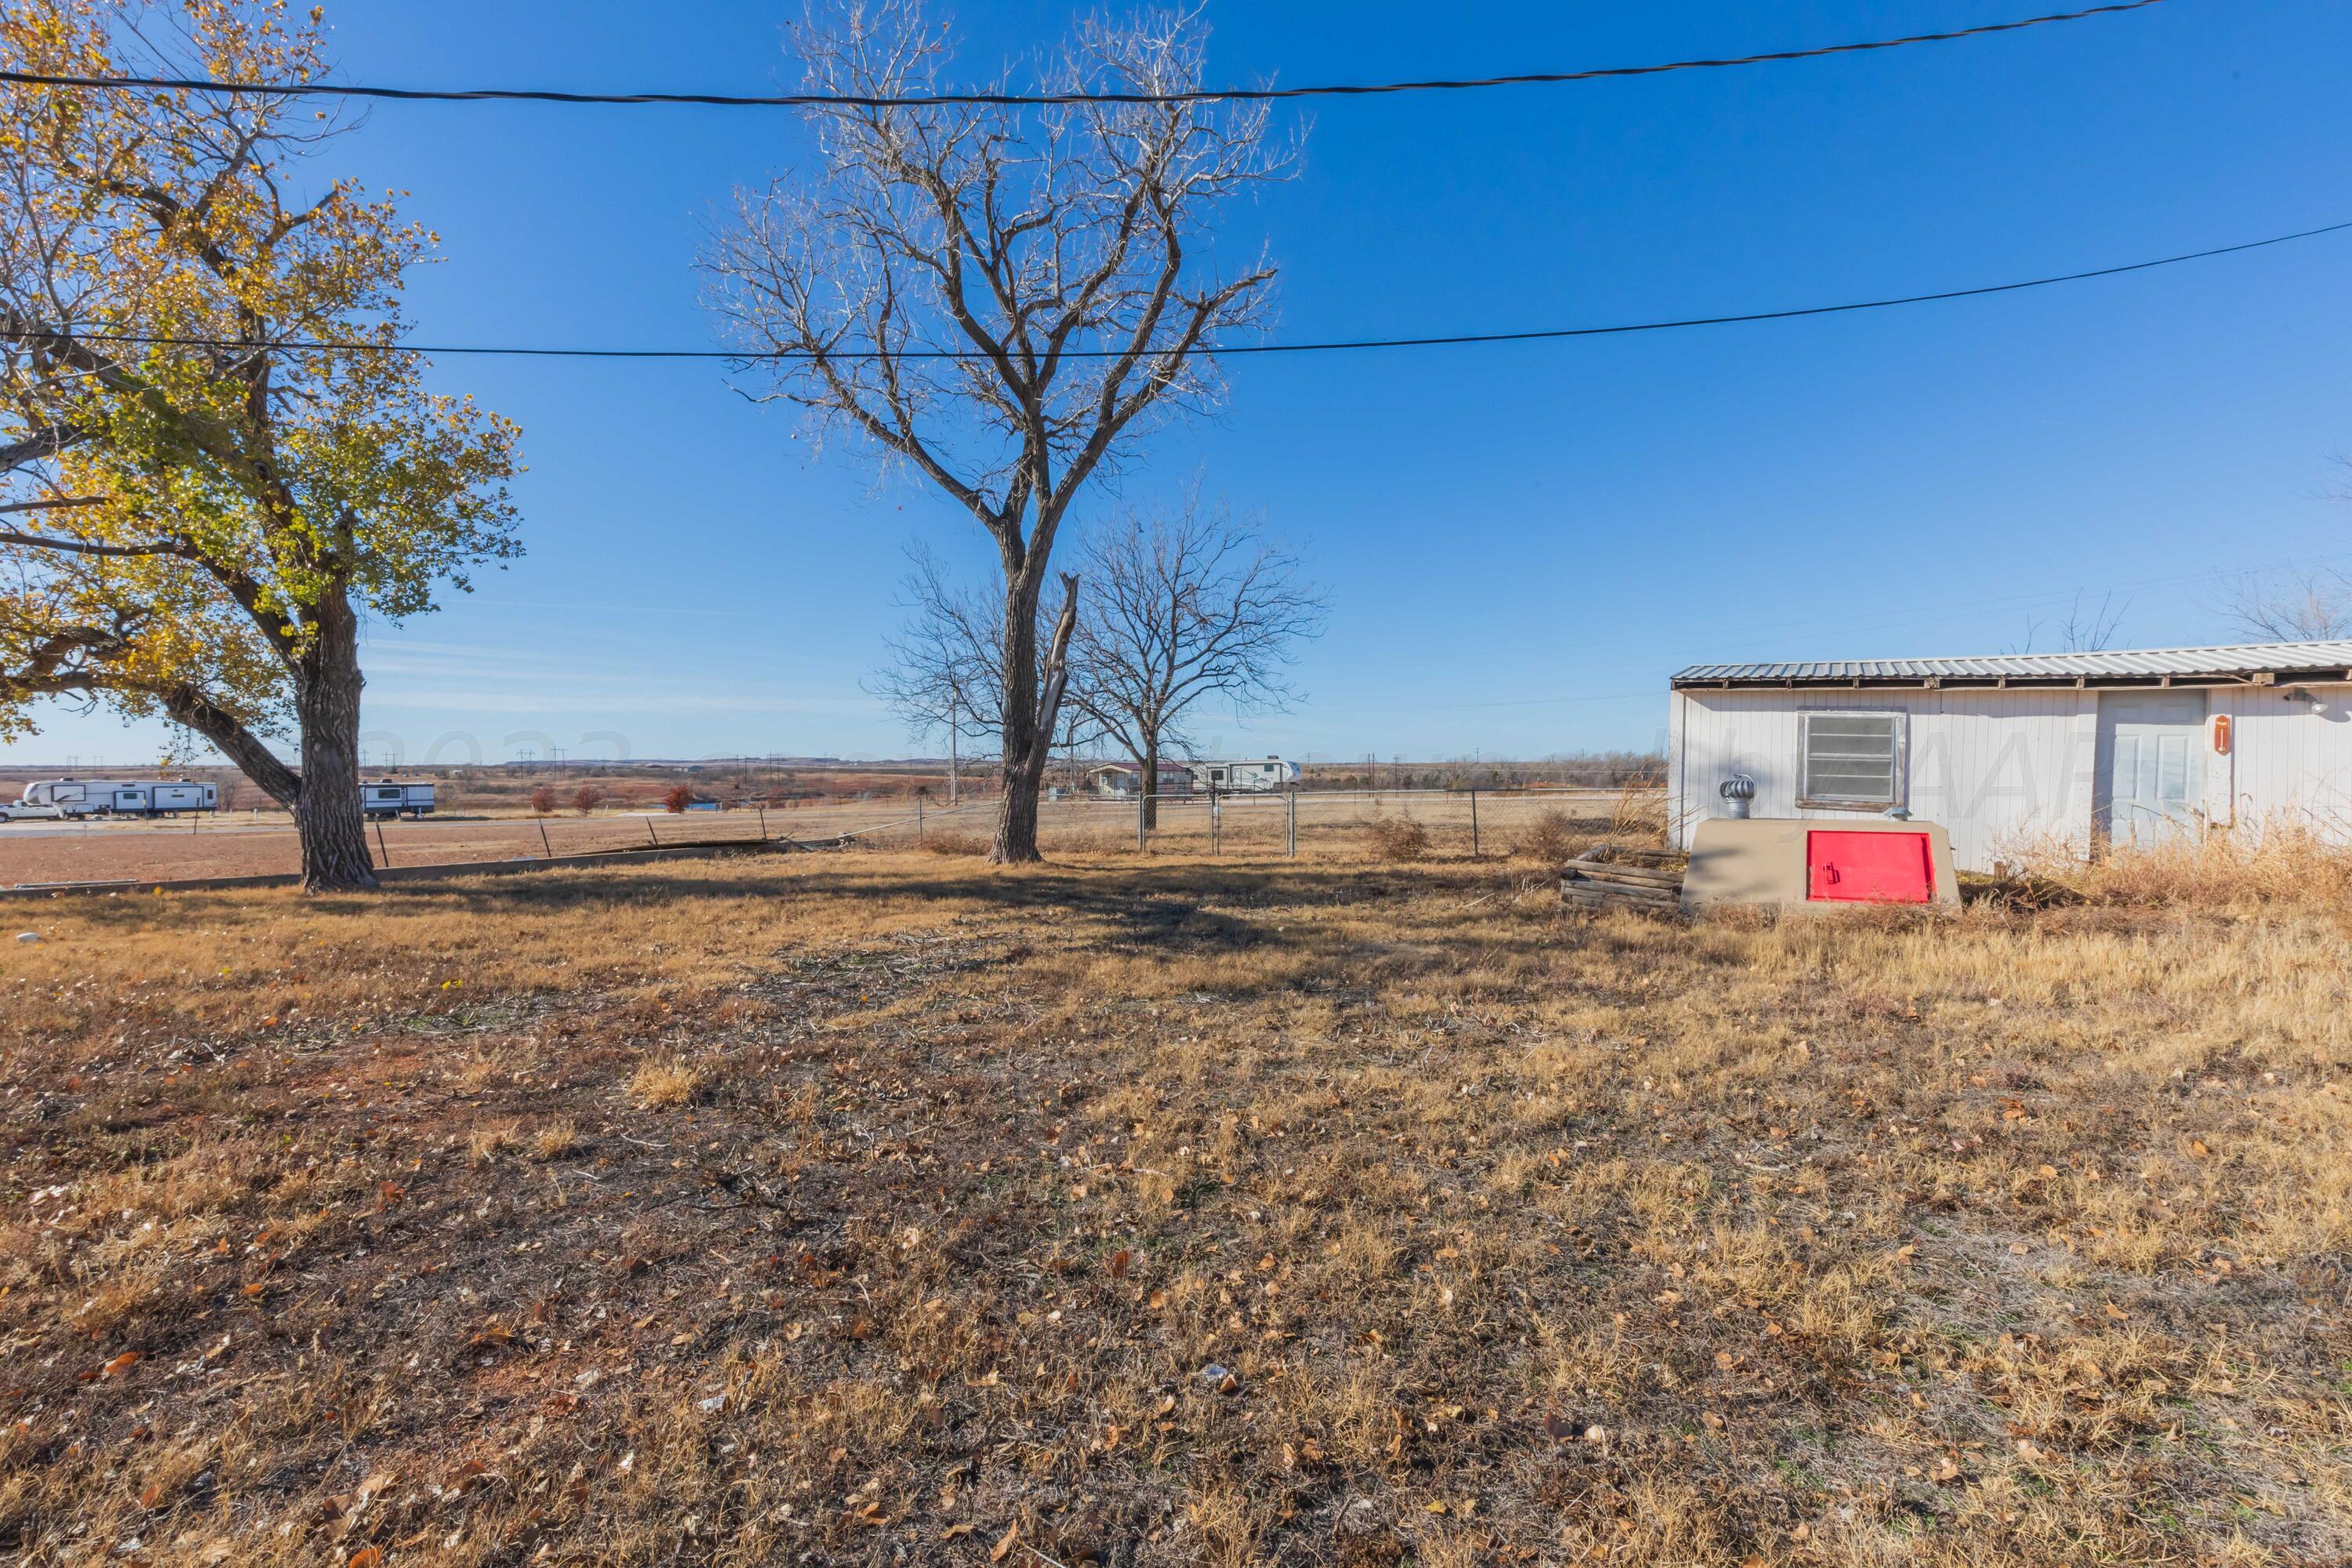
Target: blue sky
[(1519, 543)]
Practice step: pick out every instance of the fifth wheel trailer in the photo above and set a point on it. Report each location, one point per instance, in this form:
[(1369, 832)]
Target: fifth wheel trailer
[(115, 797)]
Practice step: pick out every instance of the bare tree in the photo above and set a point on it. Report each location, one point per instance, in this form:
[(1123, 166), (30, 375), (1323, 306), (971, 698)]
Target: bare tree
[(1176, 608), (2084, 630), (2309, 605), (946, 669), (1000, 299)]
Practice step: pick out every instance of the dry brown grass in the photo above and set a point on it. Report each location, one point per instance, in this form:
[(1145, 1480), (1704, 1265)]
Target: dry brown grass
[(665, 1082), (2284, 863), (1518, 1235)]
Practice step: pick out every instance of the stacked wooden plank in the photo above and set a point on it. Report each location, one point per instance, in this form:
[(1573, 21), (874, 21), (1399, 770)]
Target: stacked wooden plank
[(1618, 876)]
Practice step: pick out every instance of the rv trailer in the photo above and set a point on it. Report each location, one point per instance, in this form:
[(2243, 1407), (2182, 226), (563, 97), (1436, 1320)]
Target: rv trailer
[(73, 799), (383, 799), (1258, 775)]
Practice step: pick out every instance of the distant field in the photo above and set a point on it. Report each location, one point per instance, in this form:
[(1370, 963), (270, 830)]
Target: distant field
[(257, 844)]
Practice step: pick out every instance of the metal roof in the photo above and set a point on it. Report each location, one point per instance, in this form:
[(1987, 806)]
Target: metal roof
[(2243, 662)]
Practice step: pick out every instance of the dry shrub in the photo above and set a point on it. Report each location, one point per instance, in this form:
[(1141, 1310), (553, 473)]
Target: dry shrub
[(670, 1081), (542, 802), (1398, 838), (677, 798), (1638, 815), (2286, 863), (1551, 837)]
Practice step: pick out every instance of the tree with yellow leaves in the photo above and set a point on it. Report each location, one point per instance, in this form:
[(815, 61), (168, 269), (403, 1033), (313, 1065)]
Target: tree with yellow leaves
[(213, 458)]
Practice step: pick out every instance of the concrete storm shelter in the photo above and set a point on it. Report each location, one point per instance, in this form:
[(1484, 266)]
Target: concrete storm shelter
[(2011, 752)]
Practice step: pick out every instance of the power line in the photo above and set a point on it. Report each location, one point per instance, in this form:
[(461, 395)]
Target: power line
[(1449, 339), (1024, 99)]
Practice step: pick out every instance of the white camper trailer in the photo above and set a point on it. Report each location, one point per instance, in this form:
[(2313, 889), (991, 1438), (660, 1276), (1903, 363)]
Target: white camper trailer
[(383, 799), (70, 798), (1256, 776)]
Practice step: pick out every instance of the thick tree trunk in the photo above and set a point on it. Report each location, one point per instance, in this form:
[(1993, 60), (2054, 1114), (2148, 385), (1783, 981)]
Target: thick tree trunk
[(1150, 763), (1033, 705), (1016, 808), (327, 814)]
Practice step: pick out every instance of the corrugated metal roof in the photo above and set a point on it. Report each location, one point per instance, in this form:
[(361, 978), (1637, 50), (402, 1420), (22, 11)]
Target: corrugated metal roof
[(2244, 659)]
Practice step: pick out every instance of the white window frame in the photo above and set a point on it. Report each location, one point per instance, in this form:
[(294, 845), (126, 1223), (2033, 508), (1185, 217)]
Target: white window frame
[(1899, 783)]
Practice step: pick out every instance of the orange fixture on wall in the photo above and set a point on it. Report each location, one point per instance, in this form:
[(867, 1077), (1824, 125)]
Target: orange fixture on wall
[(2220, 734)]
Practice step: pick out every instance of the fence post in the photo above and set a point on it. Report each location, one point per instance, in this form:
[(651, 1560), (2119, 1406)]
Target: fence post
[(651, 833), (1142, 803), (1474, 823), (1293, 825), (764, 821), (919, 819), (385, 853), (544, 847)]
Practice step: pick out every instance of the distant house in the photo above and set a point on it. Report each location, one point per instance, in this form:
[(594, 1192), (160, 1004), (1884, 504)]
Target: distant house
[(1118, 780), (2016, 751)]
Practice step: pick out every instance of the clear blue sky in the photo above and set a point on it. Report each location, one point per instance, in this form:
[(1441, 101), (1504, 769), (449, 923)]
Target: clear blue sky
[(1519, 543)]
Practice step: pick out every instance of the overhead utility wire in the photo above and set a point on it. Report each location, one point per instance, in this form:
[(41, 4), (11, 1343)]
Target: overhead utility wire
[(1450, 339), (1015, 99)]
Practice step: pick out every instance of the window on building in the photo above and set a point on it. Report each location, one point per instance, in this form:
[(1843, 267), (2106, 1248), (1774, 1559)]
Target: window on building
[(1853, 759)]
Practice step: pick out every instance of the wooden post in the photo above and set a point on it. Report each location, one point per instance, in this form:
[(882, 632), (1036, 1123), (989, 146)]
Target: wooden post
[(1474, 824), (379, 850), (651, 833), (1142, 801), (919, 819), (544, 847), (1294, 824), (764, 821)]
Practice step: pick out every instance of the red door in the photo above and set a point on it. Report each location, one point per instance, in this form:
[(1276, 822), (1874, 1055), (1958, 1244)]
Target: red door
[(1869, 867)]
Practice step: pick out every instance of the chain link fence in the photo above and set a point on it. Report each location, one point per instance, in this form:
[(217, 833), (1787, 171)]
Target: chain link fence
[(1391, 824)]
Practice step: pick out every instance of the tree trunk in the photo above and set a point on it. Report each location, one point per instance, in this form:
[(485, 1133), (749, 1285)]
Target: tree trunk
[(1032, 704), (1016, 808), (1150, 763), (328, 821)]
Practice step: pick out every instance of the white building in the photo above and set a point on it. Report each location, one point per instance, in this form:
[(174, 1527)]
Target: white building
[(2019, 750)]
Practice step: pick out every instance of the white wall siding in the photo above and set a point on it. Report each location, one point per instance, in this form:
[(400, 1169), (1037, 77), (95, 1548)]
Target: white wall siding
[(1998, 769), (2290, 759), (2003, 770)]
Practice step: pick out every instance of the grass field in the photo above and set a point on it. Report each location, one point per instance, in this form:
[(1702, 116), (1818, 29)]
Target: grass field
[(882, 1207)]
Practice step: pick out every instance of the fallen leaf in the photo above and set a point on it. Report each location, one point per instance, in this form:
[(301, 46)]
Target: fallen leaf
[(366, 1557), (1003, 1546), (119, 1365), (1119, 1262)]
